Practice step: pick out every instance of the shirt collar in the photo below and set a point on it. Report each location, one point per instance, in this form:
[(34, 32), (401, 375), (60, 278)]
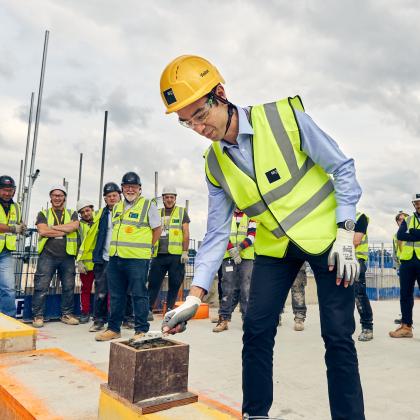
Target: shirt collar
[(245, 129)]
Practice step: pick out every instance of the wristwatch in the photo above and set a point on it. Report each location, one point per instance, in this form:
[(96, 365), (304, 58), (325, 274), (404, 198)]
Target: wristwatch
[(347, 225)]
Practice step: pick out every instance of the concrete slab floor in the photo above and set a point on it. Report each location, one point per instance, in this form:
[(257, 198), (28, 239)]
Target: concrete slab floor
[(390, 368)]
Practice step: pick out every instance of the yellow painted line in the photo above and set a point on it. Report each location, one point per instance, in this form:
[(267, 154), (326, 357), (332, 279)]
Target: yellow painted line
[(10, 327), (111, 408)]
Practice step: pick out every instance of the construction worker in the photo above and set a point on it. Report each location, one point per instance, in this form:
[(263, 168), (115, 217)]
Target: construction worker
[(298, 299), (396, 251), (361, 244), (273, 162), (237, 268), (10, 226), (85, 208), (409, 232), (57, 249), (171, 252), (136, 228)]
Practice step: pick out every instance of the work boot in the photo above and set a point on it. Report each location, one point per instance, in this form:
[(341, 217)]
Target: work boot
[(299, 324), (150, 316), (222, 325), (69, 319), (84, 318), (366, 334), (128, 325), (138, 335), (96, 326), (107, 335), (404, 331), (38, 322)]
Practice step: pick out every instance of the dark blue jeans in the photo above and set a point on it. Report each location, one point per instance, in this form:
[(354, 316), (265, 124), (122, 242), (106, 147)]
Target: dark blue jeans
[(45, 270), (271, 281), (362, 300), (162, 264), (101, 293), (409, 273), (128, 276)]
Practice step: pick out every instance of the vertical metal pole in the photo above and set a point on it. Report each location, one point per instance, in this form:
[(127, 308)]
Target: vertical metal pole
[(37, 117), (19, 193), (28, 139), (187, 205), (101, 182), (382, 264), (80, 176), (156, 184)]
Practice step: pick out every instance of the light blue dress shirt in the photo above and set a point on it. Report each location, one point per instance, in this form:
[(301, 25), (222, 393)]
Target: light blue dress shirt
[(319, 146)]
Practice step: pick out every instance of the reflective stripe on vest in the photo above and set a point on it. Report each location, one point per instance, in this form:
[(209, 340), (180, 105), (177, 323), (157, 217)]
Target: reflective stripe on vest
[(237, 235), (8, 239), (131, 233), (292, 197), (71, 238), (362, 250), (408, 248), (176, 235)]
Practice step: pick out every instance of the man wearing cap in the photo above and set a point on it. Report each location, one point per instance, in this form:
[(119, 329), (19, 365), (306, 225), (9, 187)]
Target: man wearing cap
[(57, 249), (85, 208), (136, 228), (171, 252), (274, 162), (409, 233), (10, 226)]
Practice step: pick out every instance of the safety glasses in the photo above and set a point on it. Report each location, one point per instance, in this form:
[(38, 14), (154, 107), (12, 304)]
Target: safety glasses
[(201, 116)]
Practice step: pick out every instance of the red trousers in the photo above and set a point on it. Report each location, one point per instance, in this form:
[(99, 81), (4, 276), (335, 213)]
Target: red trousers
[(86, 290)]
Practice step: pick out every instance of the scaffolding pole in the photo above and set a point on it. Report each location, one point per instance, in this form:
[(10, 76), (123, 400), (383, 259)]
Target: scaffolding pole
[(80, 176), (101, 182)]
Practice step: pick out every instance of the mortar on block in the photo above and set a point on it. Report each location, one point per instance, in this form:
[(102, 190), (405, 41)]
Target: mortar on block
[(151, 373)]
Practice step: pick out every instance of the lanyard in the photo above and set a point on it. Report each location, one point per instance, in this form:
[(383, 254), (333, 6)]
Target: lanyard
[(166, 225), (61, 221)]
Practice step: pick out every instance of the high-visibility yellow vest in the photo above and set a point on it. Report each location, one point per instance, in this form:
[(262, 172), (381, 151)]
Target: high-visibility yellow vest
[(237, 235), (89, 242), (397, 246), (362, 250), (292, 198), (85, 255), (8, 239), (176, 235), (71, 238), (131, 233), (408, 248)]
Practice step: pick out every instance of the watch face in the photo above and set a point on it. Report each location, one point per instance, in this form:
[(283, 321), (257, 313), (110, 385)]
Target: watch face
[(349, 225)]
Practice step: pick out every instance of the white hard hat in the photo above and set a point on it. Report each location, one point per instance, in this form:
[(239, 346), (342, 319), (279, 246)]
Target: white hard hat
[(58, 187), (169, 190), (416, 197), (83, 203)]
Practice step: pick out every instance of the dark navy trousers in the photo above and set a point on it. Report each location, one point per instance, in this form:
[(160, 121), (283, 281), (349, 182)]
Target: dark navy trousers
[(271, 281)]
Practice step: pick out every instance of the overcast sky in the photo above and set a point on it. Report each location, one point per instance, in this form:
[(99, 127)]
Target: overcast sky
[(354, 63)]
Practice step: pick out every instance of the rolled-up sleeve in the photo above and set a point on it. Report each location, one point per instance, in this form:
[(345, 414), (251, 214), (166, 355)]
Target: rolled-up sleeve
[(324, 151), (211, 252)]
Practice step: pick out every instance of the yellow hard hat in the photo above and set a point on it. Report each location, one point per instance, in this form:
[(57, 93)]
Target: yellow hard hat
[(186, 79)]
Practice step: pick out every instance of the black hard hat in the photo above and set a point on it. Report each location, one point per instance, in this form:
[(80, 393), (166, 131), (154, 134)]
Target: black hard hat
[(130, 178), (111, 187), (7, 181)]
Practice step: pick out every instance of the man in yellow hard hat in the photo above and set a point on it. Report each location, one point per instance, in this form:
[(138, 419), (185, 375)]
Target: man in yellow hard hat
[(274, 162)]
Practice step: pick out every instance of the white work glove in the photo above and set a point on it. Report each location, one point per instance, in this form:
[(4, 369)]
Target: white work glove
[(81, 268), (235, 255), (184, 257), (19, 229), (343, 256), (175, 321)]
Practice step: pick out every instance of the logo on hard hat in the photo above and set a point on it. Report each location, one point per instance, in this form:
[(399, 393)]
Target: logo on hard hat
[(169, 96), (204, 73)]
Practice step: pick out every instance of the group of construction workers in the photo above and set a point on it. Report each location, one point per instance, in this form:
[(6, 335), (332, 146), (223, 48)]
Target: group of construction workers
[(110, 248), (282, 195)]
